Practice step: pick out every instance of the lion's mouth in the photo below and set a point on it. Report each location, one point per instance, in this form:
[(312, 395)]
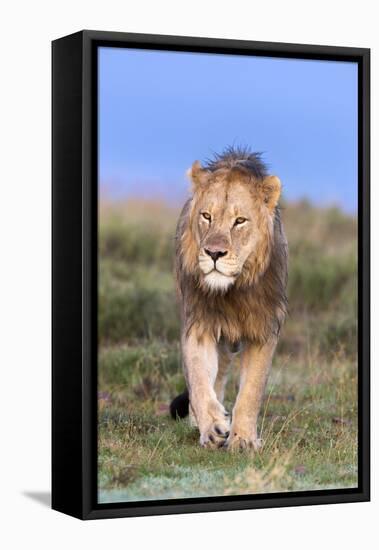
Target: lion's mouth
[(232, 275), (218, 270)]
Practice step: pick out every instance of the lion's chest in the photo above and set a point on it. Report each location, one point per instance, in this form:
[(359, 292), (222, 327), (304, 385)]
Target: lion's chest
[(238, 319)]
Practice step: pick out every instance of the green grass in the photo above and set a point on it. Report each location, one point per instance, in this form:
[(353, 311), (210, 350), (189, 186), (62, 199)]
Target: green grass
[(308, 421), (308, 429)]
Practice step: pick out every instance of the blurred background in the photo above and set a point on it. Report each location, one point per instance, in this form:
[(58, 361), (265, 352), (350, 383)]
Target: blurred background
[(158, 112)]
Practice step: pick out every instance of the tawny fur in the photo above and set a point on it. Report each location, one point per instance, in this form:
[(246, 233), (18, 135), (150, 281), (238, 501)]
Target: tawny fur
[(249, 304), (255, 306)]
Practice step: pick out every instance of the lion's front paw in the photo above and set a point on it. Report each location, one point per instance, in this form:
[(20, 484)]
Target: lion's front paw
[(215, 436), (236, 442)]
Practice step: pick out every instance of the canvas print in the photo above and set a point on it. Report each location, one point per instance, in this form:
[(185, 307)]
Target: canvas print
[(227, 275)]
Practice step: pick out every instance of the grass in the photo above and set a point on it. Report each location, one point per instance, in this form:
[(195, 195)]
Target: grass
[(309, 416)]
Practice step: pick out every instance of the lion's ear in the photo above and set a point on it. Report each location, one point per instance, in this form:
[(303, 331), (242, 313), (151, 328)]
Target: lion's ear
[(197, 175), (270, 189)]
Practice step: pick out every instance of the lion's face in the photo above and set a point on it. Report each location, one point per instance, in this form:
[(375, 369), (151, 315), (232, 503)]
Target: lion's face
[(228, 232), (232, 222)]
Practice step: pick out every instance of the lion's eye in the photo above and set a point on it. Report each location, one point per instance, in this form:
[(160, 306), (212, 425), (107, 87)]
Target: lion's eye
[(206, 216), (239, 221)]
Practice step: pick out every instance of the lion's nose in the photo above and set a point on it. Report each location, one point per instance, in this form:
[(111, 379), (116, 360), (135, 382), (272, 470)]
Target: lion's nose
[(215, 253)]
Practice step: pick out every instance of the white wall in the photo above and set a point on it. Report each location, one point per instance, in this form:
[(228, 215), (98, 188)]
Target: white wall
[(26, 31)]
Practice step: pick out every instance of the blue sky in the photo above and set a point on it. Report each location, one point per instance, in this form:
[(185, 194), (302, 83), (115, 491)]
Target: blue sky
[(160, 111)]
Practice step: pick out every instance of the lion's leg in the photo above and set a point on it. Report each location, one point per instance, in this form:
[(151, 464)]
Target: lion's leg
[(255, 367), (200, 363), (224, 361), (192, 417)]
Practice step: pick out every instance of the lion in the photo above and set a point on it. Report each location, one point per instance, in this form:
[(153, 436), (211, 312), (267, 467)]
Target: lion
[(231, 273)]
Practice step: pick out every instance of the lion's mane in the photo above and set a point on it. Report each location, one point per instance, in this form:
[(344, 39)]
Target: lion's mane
[(254, 308)]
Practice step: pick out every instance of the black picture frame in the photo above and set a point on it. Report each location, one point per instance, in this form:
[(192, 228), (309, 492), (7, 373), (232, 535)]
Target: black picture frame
[(74, 274)]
